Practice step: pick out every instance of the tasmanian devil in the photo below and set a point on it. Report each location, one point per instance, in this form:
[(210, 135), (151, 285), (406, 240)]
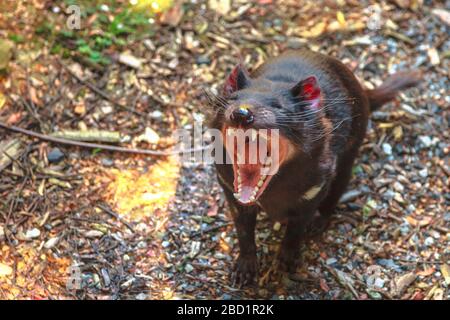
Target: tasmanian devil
[(320, 111)]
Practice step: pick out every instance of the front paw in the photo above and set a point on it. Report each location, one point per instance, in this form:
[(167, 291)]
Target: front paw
[(288, 260), (246, 269)]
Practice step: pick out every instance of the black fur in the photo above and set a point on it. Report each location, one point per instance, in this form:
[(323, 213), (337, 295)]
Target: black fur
[(326, 139)]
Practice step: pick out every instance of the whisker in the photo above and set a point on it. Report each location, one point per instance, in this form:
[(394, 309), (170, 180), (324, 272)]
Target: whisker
[(334, 128), (214, 100)]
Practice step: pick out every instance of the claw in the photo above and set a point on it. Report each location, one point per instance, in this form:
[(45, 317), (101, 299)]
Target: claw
[(245, 271), (287, 261)]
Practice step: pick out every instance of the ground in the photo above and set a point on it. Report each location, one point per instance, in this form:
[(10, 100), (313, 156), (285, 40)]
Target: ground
[(92, 224)]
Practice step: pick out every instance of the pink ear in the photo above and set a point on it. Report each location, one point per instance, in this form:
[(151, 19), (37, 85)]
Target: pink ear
[(307, 90), (236, 80)]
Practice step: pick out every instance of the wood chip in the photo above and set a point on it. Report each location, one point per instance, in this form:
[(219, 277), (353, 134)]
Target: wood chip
[(400, 284), (9, 150), (445, 270)]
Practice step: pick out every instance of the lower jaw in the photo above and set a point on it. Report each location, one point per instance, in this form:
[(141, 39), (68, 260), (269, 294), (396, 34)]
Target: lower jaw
[(250, 202), (256, 177), (248, 194)]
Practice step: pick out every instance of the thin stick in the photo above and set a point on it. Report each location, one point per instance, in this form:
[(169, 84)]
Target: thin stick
[(115, 215), (97, 145), (100, 92)]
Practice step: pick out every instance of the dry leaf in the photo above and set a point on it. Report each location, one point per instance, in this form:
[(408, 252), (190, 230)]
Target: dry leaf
[(167, 295), (398, 133), (438, 294), (5, 270), (324, 286), (224, 246), (150, 136), (173, 16), (130, 60), (385, 125), (80, 109), (442, 14), (41, 188), (315, 31), (445, 270), (34, 96), (9, 150), (2, 100), (418, 296), (433, 55), (220, 6), (341, 18), (402, 283), (408, 4), (426, 272), (421, 223), (14, 118)]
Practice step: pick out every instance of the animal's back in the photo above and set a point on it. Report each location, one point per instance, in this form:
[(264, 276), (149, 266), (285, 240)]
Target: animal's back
[(345, 101)]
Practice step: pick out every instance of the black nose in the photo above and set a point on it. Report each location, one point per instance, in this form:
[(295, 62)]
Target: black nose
[(242, 116)]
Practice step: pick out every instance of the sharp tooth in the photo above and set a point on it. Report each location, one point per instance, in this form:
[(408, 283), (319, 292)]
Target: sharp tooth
[(260, 182), (236, 195), (268, 160), (252, 198), (239, 179)]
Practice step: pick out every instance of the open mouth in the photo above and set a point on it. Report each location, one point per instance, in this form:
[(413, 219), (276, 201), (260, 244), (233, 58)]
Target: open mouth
[(256, 157)]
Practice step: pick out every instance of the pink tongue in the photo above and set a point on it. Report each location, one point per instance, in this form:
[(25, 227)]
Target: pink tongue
[(246, 193)]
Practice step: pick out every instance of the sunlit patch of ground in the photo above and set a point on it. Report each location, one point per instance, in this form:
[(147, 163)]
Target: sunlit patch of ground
[(29, 273), (137, 194), (143, 197)]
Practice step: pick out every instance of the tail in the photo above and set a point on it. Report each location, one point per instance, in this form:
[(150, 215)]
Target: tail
[(390, 88)]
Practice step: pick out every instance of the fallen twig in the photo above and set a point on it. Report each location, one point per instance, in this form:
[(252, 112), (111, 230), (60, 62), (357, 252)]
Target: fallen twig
[(115, 215), (96, 145), (210, 229), (89, 136), (100, 92), (343, 282)]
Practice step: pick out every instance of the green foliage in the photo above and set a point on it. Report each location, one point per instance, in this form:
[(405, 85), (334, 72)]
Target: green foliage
[(357, 170), (114, 28), (17, 38), (93, 53), (71, 2), (46, 28), (96, 151), (370, 205)]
